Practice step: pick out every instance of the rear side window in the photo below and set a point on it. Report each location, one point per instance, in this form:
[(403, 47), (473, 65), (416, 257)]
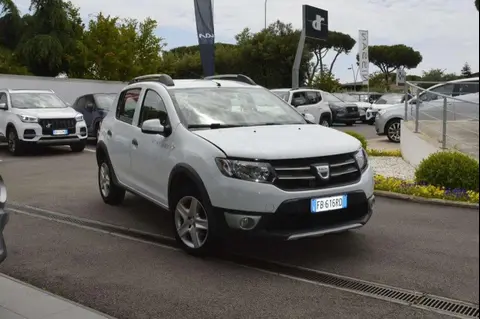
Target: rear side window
[(3, 98), (79, 104), (466, 88), (153, 108), (127, 104)]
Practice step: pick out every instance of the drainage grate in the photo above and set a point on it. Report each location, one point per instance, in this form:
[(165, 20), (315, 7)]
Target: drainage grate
[(411, 298)]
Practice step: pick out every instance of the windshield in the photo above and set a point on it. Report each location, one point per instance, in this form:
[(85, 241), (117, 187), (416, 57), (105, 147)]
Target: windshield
[(346, 97), (329, 97), (233, 107), (390, 99), (104, 101), (281, 94), (36, 101)]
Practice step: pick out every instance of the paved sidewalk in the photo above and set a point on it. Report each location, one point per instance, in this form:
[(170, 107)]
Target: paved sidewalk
[(19, 300)]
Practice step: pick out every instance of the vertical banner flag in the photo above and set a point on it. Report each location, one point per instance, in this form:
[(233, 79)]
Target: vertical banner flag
[(363, 60), (206, 35)]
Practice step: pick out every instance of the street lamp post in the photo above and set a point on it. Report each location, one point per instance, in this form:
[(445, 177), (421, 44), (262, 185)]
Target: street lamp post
[(355, 75), (265, 17)]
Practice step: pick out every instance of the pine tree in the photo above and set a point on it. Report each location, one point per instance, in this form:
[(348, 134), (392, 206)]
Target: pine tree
[(466, 70)]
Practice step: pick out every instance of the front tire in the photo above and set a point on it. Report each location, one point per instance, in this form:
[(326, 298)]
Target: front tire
[(78, 147), (324, 121), (15, 146), (350, 123), (393, 130), (194, 223), (111, 193)]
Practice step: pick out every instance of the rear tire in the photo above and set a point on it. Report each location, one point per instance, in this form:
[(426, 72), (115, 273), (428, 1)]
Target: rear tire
[(15, 146), (78, 147), (392, 129), (111, 193), (194, 222), (350, 123), (325, 121)]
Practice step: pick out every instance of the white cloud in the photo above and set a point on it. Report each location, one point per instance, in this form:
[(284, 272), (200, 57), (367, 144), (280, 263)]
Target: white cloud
[(445, 32)]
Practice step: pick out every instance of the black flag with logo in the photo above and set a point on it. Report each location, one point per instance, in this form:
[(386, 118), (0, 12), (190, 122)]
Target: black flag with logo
[(206, 35)]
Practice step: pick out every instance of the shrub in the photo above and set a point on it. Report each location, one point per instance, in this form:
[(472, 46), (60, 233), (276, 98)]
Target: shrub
[(397, 185), (449, 169), (359, 137), (384, 153)]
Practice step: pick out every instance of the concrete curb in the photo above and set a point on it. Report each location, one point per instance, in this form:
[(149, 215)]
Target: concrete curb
[(422, 200), (23, 283)]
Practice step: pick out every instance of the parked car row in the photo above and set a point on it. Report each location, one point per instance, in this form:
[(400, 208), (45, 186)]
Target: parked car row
[(41, 118)]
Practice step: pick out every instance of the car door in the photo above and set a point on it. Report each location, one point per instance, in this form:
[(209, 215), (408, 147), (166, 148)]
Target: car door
[(150, 156), (3, 114), (122, 132), (303, 103)]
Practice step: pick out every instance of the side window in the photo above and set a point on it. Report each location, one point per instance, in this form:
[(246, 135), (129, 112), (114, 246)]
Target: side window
[(153, 108), (465, 88), (89, 100), (127, 104), (79, 104), (311, 97), (319, 97), (299, 99), (446, 89), (3, 98)]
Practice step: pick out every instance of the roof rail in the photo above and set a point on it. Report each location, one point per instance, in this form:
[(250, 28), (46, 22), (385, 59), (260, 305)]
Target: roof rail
[(232, 77), (165, 79)]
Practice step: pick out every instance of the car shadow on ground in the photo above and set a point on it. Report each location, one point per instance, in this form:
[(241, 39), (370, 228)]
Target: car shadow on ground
[(36, 151)]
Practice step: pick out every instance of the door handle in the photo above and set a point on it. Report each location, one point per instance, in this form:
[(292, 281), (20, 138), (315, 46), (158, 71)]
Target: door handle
[(135, 142), (109, 133)]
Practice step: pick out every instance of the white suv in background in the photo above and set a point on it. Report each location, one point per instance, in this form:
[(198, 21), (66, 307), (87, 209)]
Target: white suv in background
[(308, 101), (260, 168), (39, 117)]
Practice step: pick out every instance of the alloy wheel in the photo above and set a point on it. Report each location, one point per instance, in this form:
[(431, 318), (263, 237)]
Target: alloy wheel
[(394, 131), (191, 222), (12, 141), (325, 123), (104, 179)]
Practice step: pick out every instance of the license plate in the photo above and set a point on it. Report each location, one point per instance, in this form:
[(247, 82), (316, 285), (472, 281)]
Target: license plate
[(60, 132), (318, 205)]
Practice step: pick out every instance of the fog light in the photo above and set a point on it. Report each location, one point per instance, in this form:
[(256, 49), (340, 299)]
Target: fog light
[(246, 223)]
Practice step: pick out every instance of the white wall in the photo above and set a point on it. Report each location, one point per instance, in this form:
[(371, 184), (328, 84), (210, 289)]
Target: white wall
[(414, 148), (68, 89)]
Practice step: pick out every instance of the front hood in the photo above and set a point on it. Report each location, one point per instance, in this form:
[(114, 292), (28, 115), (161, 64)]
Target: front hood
[(281, 141), (363, 105), (378, 107), (53, 113)]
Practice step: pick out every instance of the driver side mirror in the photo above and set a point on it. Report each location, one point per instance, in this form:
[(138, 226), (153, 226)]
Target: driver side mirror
[(3, 106), (153, 126)]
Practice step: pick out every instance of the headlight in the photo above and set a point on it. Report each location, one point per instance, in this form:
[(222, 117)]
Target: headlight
[(248, 171), (79, 117), (28, 118), (362, 159), (382, 112)]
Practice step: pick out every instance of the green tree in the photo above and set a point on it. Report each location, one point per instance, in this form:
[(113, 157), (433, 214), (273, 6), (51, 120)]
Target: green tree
[(11, 24), (338, 42), (438, 75), (326, 81), (268, 56), (49, 36), (388, 58), (466, 70), (120, 49)]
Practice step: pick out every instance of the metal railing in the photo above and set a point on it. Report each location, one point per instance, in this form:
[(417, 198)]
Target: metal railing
[(447, 115)]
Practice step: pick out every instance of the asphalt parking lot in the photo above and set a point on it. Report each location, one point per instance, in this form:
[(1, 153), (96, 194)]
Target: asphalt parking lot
[(427, 249)]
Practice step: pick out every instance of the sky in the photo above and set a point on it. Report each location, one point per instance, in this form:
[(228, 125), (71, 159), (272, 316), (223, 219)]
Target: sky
[(446, 32)]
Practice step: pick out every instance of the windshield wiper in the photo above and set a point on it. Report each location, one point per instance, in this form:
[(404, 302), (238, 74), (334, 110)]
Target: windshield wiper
[(213, 125)]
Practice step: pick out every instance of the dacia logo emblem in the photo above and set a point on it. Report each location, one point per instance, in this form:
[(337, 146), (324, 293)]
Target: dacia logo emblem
[(323, 171)]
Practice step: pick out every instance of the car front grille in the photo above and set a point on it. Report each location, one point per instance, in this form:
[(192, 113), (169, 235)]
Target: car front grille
[(352, 109), (301, 174), (49, 125)]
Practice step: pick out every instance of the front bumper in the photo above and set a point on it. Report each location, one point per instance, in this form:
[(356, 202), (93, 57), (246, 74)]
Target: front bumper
[(371, 114), (293, 219), (33, 134), (346, 117), (3, 219)]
